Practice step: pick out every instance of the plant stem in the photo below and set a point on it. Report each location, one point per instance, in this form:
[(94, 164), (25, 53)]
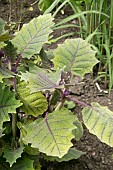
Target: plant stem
[(77, 101), (14, 125)]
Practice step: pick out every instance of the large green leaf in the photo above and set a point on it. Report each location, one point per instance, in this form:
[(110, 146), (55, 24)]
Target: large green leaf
[(12, 155), (72, 154), (23, 163), (30, 39), (5, 73), (52, 135), (33, 104), (42, 80), (8, 104), (99, 120), (77, 55)]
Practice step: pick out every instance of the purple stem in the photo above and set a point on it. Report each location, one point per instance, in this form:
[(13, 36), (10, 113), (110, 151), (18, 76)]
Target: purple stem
[(77, 101)]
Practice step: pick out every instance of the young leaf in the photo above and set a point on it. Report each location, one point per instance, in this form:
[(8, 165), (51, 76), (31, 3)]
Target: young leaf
[(42, 80), (33, 104), (44, 4), (76, 55), (8, 104), (99, 119), (12, 155), (23, 164), (78, 132), (5, 73), (30, 39), (5, 36), (10, 51), (52, 135), (73, 153)]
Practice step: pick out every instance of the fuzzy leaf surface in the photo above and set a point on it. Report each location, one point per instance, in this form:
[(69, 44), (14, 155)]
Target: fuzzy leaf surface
[(8, 104), (30, 39), (99, 120), (12, 155), (5, 73), (76, 55), (42, 80), (33, 104), (73, 153), (52, 135)]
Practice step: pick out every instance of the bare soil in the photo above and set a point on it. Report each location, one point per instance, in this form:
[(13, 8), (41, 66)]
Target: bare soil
[(98, 155)]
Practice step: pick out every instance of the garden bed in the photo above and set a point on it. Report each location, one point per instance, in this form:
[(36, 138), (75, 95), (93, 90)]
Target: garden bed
[(98, 155)]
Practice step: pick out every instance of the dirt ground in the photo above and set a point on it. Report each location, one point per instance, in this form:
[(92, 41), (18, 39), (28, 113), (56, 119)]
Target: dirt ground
[(98, 155)]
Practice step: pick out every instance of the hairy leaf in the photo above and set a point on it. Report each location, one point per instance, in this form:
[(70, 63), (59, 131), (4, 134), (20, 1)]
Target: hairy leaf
[(99, 119), (12, 155), (76, 55), (52, 135), (5, 73), (42, 80), (8, 104), (30, 39), (72, 154), (33, 104), (23, 163)]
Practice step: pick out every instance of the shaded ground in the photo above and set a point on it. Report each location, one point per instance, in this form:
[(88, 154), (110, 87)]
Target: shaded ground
[(98, 155)]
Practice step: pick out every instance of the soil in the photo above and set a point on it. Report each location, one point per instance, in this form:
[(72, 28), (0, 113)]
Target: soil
[(98, 155)]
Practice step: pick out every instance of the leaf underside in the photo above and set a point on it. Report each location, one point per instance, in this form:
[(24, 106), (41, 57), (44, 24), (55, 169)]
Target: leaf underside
[(72, 154), (42, 80), (30, 39), (99, 120), (52, 135), (76, 55), (5, 73), (33, 104), (8, 104)]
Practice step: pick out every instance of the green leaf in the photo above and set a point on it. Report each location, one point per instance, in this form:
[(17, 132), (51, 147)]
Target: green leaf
[(33, 104), (78, 132), (40, 80), (44, 4), (5, 73), (5, 36), (77, 56), (30, 39), (8, 104), (2, 25), (69, 104), (1, 132), (99, 119), (31, 151), (12, 155), (72, 154), (10, 51), (52, 135), (23, 164), (38, 167)]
